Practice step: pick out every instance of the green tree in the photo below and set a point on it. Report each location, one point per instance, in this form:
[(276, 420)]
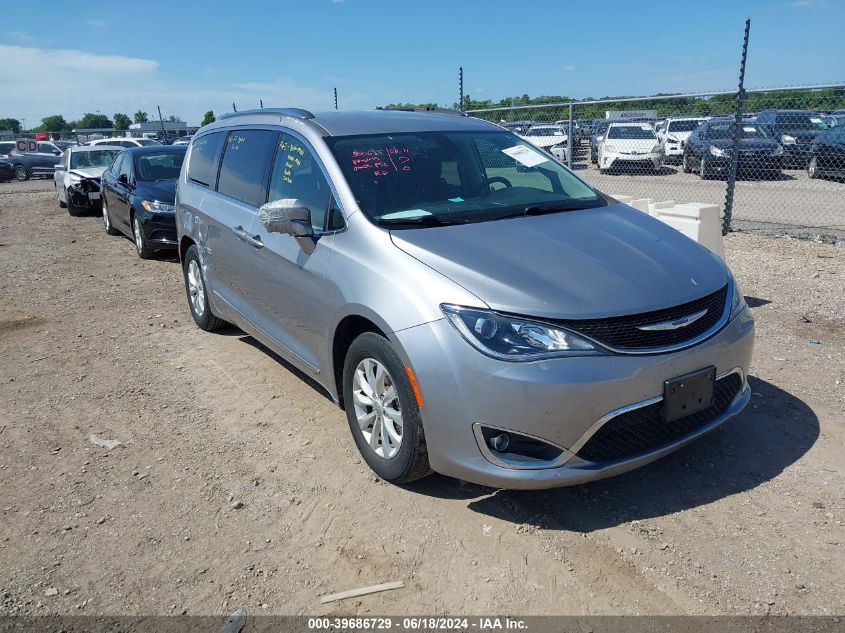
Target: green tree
[(94, 121), (208, 118), (141, 117), (10, 124), (173, 118), (52, 123), (121, 121)]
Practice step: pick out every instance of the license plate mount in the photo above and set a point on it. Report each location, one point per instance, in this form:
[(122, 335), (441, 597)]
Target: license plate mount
[(94, 195), (688, 394)]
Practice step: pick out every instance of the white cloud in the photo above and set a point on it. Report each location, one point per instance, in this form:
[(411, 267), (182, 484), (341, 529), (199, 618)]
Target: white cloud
[(569, 68), (96, 23), (40, 82)]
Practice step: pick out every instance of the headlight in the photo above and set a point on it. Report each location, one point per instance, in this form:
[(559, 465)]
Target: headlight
[(717, 151), (154, 206), (786, 139), (515, 339), (74, 179), (609, 148), (737, 300), (778, 151)]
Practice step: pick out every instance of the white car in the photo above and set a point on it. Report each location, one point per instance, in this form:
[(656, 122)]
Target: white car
[(77, 176), (673, 135), (125, 141), (634, 144), (549, 138)]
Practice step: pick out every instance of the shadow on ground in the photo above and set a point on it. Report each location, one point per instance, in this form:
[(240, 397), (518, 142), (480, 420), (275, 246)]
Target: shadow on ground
[(773, 432)]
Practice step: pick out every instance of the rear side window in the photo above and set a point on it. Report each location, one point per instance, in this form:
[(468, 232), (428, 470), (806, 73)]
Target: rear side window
[(245, 165), (205, 152)]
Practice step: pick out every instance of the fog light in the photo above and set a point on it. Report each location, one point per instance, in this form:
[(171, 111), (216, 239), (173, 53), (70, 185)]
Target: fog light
[(500, 442)]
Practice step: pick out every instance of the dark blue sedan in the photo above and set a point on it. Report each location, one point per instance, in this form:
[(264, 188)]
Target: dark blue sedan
[(139, 193)]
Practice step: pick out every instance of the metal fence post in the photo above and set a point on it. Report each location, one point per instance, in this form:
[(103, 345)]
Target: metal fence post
[(735, 135), (569, 140)]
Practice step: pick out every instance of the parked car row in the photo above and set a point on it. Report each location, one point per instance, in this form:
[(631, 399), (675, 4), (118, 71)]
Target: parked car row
[(367, 250)]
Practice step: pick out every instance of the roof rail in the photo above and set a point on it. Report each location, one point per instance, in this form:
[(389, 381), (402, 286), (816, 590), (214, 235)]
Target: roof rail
[(297, 113), (449, 111)]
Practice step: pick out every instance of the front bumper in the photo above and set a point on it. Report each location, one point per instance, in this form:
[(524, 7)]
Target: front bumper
[(558, 401), (752, 164), (85, 195), (159, 228), (608, 160)]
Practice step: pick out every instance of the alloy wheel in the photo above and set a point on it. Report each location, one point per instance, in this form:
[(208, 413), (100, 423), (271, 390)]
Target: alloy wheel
[(196, 288), (106, 222), (812, 167), (139, 237), (21, 173), (377, 408)]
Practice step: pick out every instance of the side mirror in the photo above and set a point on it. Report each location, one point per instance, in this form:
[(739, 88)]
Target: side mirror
[(57, 152), (123, 178), (290, 216), (58, 167)]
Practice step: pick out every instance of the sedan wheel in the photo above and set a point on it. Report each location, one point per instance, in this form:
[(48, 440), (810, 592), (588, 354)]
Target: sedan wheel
[(377, 408), (144, 251), (21, 173), (813, 168), (685, 164), (107, 220)]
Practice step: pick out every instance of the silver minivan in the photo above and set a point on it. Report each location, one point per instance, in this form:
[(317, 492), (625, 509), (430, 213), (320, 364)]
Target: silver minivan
[(476, 308)]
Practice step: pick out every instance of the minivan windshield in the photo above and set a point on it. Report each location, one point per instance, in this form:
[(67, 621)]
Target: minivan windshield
[(800, 121), (436, 178)]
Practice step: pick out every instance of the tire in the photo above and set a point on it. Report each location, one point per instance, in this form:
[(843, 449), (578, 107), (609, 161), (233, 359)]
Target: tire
[(62, 204), (21, 173), (685, 163), (813, 168), (398, 464), (197, 293), (702, 169), (107, 223), (140, 240)]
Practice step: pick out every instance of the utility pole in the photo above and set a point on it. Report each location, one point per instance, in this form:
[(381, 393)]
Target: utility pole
[(461, 88), (161, 120), (234, 109), (261, 103), (335, 98), (735, 134)]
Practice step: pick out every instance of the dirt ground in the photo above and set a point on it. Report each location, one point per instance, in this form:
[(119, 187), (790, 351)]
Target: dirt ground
[(237, 484)]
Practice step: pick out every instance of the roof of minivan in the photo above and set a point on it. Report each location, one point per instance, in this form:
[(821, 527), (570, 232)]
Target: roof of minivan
[(350, 122)]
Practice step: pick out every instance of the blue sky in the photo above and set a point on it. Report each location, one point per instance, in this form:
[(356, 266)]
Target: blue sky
[(190, 56)]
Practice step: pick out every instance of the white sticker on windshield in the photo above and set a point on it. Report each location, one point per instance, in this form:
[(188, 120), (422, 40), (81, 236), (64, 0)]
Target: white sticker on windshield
[(749, 129), (525, 155)]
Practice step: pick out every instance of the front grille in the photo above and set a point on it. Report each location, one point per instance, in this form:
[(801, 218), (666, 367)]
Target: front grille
[(645, 430), (622, 333)]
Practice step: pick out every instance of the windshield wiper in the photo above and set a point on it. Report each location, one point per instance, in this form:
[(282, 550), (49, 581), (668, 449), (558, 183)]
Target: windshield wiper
[(549, 208), (422, 220)]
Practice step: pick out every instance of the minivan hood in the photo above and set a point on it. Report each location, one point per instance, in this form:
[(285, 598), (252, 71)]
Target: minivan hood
[(592, 263)]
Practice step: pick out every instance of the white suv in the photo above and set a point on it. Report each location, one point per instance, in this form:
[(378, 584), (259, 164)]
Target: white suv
[(126, 141), (634, 144), (673, 134)]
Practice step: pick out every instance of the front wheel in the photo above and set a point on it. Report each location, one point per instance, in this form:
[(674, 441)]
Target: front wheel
[(383, 412), (197, 293), (21, 173), (62, 204), (107, 225), (144, 250), (685, 163), (813, 168), (702, 169)]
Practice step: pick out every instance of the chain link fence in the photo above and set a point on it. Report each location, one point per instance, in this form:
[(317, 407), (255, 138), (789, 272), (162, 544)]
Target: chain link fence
[(789, 148)]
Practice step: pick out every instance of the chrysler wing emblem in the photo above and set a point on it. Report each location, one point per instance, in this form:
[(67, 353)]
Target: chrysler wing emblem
[(673, 324)]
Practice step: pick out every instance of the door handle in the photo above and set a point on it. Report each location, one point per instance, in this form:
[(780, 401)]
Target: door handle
[(252, 240)]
